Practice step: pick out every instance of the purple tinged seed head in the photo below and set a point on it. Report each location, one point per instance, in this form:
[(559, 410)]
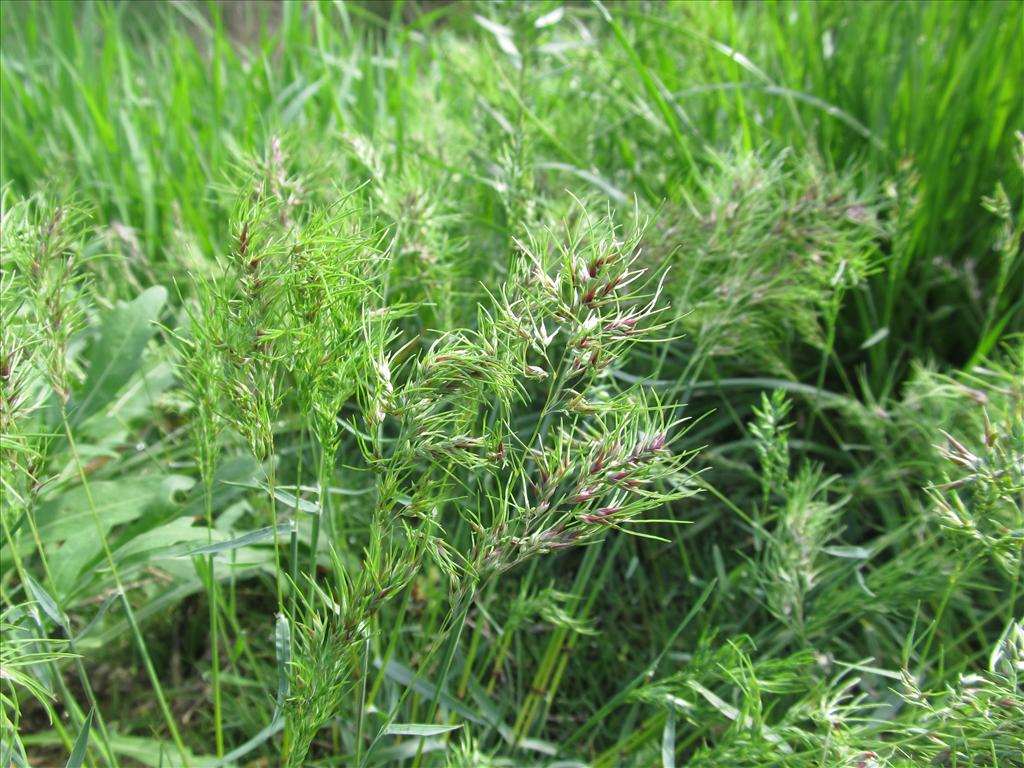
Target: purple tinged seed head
[(582, 497)]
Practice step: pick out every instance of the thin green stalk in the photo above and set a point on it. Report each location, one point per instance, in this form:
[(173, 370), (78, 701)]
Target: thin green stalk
[(90, 695), (361, 702), (540, 685), (218, 719), (271, 473), (52, 665), (129, 612), (293, 548), (454, 635), (574, 638), (467, 668), (390, 650), (458, 619), (324, 472)]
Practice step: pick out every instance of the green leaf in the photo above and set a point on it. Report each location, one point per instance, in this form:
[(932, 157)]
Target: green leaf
[(734, 714), (81, 744), (283, 652), (230, 479), (415, 729), (668, 741), (69, 516), (69, 519), (293, 502), (276, 724), (166, 541), (253, 537), (142, 750), (99, 615), (117, 354), (853, 553), (878, 336), (406, 677), (46, 602), (290, 500)]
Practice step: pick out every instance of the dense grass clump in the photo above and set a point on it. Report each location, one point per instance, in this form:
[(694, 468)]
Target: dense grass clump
[(490, 384)]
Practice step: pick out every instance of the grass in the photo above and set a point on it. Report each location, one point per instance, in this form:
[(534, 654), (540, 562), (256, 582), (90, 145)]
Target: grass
[(512, 384)]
